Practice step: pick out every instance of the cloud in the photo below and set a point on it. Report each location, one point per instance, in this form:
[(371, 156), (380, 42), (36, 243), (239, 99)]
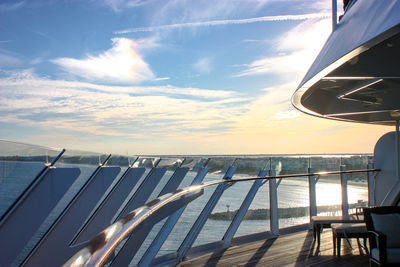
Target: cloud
[(203, 65), (122, 63), (162, 79), (10, 7), (119, 5), (7, 60), (295, 50), (225, 22), (132, 112), (27, 78), (111, 119)]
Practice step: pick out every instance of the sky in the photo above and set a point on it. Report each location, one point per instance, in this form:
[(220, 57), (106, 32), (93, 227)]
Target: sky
[(166, 77)]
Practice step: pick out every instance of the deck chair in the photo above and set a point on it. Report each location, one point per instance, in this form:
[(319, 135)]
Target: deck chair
[(321, 222), (383, 225)]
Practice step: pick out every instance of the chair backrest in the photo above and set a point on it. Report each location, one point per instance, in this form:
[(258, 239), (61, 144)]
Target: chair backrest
[(384, 217)]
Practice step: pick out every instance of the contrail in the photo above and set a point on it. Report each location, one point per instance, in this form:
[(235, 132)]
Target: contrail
[(226, 22)]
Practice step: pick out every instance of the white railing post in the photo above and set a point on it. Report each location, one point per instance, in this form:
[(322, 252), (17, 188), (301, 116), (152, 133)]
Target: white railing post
[(343, 182), (334, 15), (312, 182), (371, 185), (273, 204)]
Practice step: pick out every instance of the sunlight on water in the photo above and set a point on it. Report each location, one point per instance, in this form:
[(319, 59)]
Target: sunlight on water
[(330, 194)]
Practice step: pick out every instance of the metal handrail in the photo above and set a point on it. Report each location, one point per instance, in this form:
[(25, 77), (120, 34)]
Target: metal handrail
[(97, 251)]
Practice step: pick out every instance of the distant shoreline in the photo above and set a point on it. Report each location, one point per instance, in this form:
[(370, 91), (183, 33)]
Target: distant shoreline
[(283, 213)]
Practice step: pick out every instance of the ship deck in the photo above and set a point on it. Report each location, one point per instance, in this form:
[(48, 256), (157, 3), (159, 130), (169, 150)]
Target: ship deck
[(294, 249)]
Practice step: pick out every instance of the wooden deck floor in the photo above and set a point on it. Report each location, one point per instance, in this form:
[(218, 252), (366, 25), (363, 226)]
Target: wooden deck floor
[(296, 249)]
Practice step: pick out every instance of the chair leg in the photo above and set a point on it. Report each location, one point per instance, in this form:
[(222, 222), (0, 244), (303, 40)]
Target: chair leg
[(319, 235), (334, 243), (338, 242), (314, 231), (365, 245)]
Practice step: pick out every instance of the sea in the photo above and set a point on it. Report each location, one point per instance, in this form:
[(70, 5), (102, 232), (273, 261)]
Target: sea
[(16, 175)]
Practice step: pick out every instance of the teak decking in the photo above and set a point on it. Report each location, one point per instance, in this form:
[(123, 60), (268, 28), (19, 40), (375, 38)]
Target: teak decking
[(296, 249)]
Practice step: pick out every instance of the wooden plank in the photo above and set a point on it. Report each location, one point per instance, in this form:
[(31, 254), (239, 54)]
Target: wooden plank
[(295, 249)]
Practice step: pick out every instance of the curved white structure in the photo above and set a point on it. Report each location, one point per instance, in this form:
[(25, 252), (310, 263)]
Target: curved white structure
[(356, 75)]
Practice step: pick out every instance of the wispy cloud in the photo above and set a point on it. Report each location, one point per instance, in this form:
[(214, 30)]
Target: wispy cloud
[(295, 50), (87, 116), (23, 78), (133, 112), (10, 7), (162, 79), (203, 65), (7, 60), (120, 5), (226, 22), (121, 63)]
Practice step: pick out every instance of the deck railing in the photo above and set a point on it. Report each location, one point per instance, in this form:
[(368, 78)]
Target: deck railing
[(68, 197), (99, 249)]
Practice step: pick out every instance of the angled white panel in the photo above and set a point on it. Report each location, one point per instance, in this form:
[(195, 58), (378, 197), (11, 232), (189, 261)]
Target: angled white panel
[(166, 229), (135, 240), (107, 210), (144, 191), (32, 209), (54, 249)]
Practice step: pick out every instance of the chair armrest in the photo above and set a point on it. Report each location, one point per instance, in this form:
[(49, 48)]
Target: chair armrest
[(380, 241)]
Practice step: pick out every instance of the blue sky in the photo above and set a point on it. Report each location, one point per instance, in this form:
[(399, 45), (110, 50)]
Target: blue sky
[(166, 77)]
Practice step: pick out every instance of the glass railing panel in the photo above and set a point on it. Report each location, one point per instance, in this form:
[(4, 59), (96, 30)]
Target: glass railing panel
[(120, 160), (186, 221), (325, 163), (147, 242), (355, 162), (230, 199), (79, 158), (223, 213), (329, 196), (328, 188), (218, 167), (357, 184), (171, 163), (289, 164), (357, 193), (194, 163), (250, 166), (293, 201), (20, 164), (256, 219), (14, 151), (293, 193), (146, 162)]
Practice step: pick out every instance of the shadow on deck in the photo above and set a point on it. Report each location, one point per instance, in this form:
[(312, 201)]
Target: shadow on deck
[(295, 249)]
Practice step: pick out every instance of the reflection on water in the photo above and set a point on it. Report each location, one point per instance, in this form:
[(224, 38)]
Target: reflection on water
[(330, 193)]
